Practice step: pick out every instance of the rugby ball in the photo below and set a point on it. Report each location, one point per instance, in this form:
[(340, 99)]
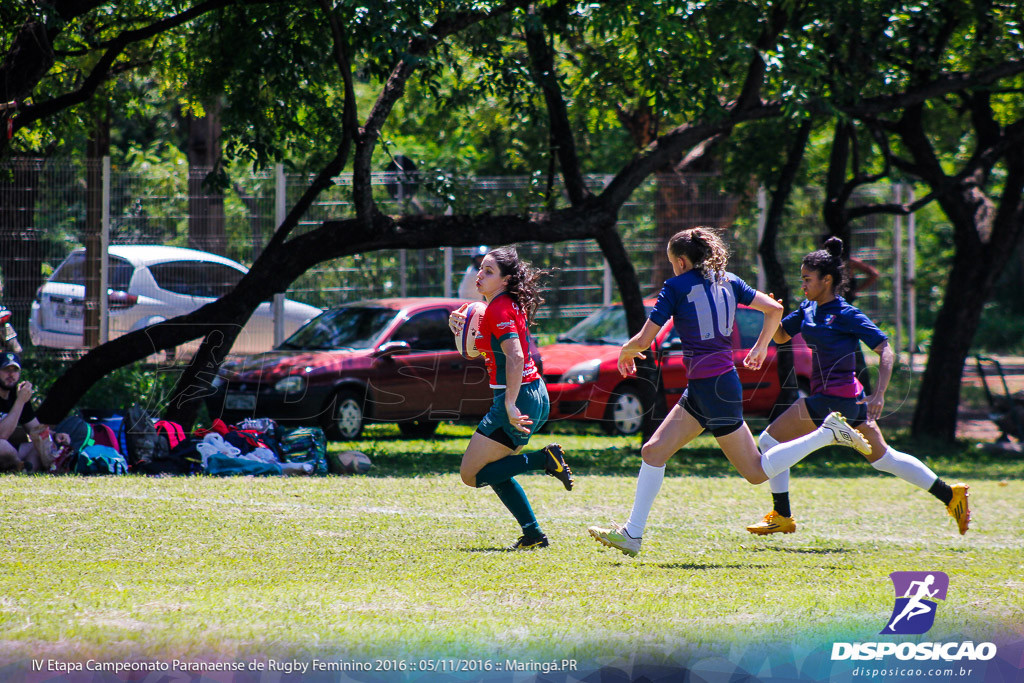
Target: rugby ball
[(350, 462), (465, 339)]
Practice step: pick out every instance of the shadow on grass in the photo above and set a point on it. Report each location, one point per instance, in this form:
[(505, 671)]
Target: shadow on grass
[(702, 462), (692, 566), (592, 454), (802, 551)]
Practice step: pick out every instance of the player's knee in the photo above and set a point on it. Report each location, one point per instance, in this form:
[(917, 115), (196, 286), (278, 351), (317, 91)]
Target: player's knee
[(653, 455), (755, 476), (468, 475)]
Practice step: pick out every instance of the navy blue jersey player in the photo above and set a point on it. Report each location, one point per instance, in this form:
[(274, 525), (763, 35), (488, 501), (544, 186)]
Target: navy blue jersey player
[(701, 299), (834, 330)]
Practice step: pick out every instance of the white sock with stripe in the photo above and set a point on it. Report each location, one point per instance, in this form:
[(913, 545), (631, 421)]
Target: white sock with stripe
[(906, 467), (648, 483)]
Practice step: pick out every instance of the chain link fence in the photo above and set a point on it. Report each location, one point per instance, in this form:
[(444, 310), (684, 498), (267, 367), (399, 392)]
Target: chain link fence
[(49, 208)]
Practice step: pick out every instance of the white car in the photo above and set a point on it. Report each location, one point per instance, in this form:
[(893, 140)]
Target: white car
[(150, 284)]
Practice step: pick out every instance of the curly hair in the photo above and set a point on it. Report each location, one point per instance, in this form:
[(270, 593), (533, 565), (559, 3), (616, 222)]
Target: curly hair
[(829, 261), (705, 249), (524, 281)]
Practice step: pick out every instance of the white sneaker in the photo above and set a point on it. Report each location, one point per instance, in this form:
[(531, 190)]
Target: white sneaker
[(616, 537), (845, 435)]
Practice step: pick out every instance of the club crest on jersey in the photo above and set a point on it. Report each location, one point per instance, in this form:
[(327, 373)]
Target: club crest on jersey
[(829, 319)]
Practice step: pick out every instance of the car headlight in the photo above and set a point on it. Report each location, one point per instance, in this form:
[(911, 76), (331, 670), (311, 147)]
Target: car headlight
[(581, 373), (291, 384)]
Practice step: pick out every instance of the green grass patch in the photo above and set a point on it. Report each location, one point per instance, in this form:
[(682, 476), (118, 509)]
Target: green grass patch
[(406, 562)]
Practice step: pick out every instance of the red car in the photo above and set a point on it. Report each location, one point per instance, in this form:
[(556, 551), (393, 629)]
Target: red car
[(584, 382), (386, 360)]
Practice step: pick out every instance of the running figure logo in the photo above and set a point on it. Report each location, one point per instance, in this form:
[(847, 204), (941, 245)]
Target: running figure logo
[(914, 612)]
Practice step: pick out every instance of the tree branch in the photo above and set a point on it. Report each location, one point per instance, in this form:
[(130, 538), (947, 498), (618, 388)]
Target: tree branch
[(393, 90), (114, 48), (542, 65)]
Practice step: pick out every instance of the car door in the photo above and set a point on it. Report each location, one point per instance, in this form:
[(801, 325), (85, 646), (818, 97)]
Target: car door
[(673, 370), (760, 387), (423, 380)]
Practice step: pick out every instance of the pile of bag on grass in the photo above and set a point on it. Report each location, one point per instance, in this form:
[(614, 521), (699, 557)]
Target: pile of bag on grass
[(136, 442)]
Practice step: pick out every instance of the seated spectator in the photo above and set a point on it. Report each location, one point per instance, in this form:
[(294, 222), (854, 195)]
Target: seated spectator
[(35, 455)]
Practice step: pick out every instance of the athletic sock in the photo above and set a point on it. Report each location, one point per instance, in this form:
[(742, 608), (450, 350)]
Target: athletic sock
[(942, 491), (502, 470), (780, 503), (537, 460), (906, 467), (511, 465), (511, 494), (779, 484), (648, 483), (784, 456)]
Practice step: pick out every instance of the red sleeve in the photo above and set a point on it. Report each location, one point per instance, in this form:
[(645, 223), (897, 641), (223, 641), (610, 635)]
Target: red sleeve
[(500, 319)]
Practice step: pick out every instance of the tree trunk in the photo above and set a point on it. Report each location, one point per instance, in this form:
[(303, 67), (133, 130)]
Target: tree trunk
[(939, 398), (206, 227), (775, 275), (97, 147), (684, 200)]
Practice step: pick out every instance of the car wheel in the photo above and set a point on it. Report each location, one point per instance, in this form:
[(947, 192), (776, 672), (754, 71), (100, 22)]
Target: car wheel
[(625, 415), (418, 429), (346, 417)]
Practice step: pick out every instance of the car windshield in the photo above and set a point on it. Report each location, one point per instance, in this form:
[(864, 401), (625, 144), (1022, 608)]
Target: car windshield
[(349, 327), (604, 326)]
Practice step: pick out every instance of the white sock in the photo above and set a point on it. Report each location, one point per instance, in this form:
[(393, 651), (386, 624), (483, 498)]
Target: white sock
[(780, 482), (648, 483), (780, 458), (906, 467)]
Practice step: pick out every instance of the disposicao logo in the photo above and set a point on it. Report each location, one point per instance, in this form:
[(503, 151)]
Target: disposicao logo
[(914, 614), (914, 611)]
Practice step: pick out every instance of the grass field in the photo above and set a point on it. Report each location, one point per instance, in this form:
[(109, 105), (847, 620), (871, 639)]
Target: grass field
[(405, 563)]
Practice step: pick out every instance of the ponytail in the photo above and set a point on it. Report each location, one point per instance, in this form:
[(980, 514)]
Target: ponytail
[(523, 283), (829, 261), (704, 248)]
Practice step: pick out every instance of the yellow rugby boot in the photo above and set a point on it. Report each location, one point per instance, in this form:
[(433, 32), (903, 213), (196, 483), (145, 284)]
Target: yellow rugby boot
[(773, 523), (958, 508)]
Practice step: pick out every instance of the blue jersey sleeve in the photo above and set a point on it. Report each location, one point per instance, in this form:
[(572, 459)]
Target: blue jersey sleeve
[(744, 292), (859, 325), (792, 323), (665, 306)]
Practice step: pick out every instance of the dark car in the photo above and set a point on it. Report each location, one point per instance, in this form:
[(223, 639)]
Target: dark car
[(385, 360), (581, 369)]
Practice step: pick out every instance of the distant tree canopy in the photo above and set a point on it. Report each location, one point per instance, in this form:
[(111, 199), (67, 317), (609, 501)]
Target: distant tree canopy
[(840, 92)]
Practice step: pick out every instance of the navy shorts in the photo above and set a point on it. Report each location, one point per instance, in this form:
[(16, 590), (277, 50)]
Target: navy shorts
[(820, 405), (532, 400), (715, 402)]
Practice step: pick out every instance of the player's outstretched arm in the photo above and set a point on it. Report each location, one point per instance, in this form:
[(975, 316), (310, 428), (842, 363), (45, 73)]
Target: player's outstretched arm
[(635, 348), (772, 310), (876, 401)]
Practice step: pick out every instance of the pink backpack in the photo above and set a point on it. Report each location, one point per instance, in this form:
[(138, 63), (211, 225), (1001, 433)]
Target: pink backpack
[(172, 431), (105, 436)]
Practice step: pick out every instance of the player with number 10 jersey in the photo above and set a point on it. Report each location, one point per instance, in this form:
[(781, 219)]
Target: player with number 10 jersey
[(701, 299), (704, 312)]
